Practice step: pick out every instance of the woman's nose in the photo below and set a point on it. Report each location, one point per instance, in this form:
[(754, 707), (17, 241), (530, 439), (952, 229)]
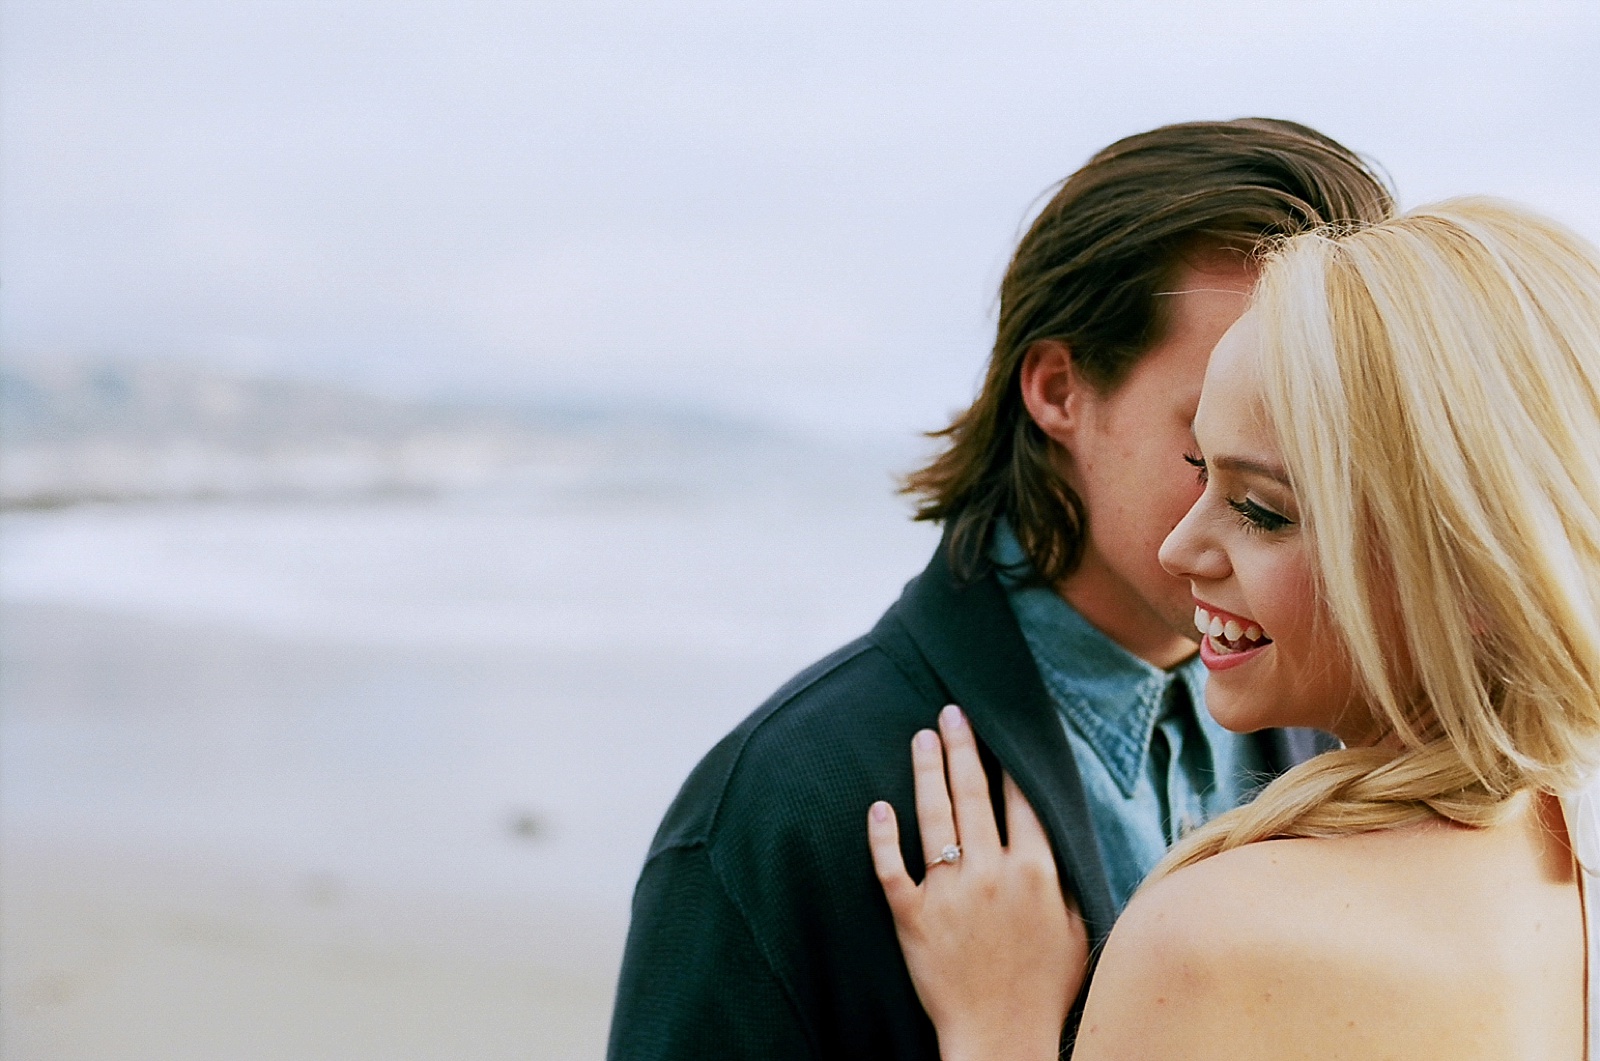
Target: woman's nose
[(1187, 552)]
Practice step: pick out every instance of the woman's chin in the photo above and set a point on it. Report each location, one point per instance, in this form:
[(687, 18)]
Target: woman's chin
[(1237, 713)]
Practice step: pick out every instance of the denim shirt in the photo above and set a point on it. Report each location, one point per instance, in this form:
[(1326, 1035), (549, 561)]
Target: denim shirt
[(1154, 763)]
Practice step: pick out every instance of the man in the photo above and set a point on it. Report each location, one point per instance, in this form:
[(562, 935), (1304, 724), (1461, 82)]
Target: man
[(759, 930)]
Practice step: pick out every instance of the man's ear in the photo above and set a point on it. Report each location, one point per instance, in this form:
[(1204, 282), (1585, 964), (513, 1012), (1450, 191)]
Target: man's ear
[(1052, 390)]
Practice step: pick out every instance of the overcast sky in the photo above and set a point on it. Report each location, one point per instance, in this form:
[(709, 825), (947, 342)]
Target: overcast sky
[(796, 211)]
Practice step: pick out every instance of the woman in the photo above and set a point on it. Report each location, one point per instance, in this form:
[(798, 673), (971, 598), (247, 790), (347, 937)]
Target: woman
[(1398, 541)]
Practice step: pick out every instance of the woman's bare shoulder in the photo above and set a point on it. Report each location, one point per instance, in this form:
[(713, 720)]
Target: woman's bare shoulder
[(1298, 896), (1252, 896), (1262, 951), (1226, 913)]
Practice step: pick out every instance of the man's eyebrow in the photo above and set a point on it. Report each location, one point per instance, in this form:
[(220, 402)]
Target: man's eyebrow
[(1250, 467)]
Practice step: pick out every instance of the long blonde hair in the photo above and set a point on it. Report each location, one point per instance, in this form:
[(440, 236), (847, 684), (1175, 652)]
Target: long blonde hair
[(1435, 385)]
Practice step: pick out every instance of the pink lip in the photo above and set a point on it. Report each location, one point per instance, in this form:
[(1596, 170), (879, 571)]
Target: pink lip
[(1215, 661), (1212, 609), (1219, 661)]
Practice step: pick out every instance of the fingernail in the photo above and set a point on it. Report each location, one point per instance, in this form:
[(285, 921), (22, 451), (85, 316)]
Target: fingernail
[(952, 716), (927, 740), (880, 811)]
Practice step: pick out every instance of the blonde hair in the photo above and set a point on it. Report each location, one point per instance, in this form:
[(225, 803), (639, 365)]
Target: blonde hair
[(1434, 380)]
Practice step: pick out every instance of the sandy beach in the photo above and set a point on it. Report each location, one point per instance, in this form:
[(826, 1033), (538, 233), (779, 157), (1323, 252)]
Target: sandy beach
[(150, 910), (349, 783), (127, 957)]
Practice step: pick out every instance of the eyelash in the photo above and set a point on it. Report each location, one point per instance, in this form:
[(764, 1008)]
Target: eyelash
[(1252, 517)]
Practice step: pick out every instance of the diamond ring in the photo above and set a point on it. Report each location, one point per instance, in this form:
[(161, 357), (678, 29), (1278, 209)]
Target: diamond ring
[(948, 857)]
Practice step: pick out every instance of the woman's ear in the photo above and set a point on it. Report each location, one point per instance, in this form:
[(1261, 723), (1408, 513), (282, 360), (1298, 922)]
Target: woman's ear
[(1052, 390)]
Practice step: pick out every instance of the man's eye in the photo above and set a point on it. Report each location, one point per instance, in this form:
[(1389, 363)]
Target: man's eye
[(1256, 517)]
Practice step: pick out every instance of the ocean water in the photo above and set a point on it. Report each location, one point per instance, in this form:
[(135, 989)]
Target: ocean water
[(485, 700)]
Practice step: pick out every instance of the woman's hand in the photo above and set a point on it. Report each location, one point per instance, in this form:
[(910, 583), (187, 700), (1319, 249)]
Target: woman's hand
[(995, 951)]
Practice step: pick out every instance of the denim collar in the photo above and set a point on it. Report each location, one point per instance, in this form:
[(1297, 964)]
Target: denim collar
[(1112, 698)]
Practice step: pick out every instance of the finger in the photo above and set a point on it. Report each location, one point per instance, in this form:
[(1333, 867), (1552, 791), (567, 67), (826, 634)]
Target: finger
[(1024, 832), (935, 821), (969, 786), (883, 835), (1028, 840)]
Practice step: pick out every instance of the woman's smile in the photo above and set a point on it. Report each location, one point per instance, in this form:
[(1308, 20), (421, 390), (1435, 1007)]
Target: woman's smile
[(1229, 639), (1232, 633)]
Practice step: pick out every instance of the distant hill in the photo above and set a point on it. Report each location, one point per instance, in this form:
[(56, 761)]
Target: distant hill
[(80, 432)]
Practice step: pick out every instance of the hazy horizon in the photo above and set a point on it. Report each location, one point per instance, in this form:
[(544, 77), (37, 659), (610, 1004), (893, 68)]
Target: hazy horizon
[(797, 216)]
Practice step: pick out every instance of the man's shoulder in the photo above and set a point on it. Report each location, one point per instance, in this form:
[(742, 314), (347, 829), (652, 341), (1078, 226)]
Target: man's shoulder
[(811, 748), (760, 878)]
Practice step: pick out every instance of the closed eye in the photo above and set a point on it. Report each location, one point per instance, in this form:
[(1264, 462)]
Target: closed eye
[(1253, 516), (1198, 463)]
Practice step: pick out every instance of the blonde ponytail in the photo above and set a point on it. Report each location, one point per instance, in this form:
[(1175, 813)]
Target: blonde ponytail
[(1352, 790)]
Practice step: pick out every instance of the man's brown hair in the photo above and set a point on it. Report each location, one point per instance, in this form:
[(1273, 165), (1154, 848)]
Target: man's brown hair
[(1087, 274)]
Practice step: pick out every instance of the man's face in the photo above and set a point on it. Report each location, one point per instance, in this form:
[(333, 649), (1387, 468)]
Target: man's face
[(1126, 462)]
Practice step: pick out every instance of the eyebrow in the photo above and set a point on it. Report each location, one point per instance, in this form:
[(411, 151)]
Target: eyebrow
[(1248, 466)]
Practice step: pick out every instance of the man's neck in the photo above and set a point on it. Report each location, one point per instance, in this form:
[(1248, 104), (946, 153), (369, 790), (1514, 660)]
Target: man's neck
[(1139, 630)]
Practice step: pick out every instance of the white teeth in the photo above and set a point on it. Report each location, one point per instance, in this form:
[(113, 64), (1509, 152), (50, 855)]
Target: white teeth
[(1231, 629)]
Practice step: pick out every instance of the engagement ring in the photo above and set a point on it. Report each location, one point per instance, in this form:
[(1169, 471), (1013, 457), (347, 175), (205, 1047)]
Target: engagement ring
[(949, 856)]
